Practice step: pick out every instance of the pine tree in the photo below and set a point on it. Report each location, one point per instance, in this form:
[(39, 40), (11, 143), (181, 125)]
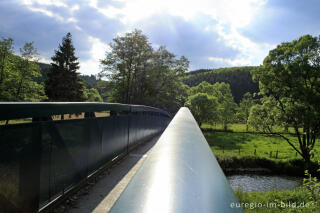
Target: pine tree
[(64, 83)]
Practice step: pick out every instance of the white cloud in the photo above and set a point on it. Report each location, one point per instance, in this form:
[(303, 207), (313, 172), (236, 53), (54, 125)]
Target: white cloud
[(97, 52), (231, 16), (47, 13), (251, 53), (56, 3), (235, 12)]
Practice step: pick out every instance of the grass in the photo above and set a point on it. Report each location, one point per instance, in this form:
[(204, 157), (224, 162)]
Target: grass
[(237, 148), (251, 150), (277, 201), (238, 127)]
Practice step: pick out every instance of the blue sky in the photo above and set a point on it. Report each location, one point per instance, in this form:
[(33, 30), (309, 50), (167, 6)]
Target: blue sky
[(210, 33)]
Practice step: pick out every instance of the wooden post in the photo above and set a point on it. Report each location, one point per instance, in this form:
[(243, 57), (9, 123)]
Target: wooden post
[(255, 151)]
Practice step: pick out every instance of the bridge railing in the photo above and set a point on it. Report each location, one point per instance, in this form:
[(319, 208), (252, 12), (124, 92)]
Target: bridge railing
[(181, 175), (43, 159)]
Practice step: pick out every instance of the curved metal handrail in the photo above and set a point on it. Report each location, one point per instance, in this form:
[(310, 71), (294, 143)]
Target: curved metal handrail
[(17, 110), (180, 175)]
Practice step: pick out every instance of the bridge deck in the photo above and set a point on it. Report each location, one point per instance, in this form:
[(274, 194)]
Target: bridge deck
[(102, 195)]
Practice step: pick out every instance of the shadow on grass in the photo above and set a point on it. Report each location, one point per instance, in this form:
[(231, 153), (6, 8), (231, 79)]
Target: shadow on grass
[(227, 141)]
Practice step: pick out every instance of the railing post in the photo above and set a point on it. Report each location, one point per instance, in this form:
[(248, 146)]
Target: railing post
[(30, 163), (129, 123)]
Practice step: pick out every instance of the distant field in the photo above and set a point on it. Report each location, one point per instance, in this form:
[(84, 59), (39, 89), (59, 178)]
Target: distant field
[(250, 144), (56, 117), (237, 127)]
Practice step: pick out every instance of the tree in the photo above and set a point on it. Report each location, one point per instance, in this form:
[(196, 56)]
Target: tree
[(141, 75), (128, 60), (92, 95), (19, 73), (239, 78), (244, 108), (105, 90), (289, 81), (27, 88), (64, 83), (6, 48), (203, 107), (226, 106)]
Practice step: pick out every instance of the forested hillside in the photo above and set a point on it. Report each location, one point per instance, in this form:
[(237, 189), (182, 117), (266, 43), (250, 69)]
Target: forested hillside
[(239, 78), (90, 80)]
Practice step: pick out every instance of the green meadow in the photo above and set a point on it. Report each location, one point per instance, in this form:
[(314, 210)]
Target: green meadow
[(237, 148)]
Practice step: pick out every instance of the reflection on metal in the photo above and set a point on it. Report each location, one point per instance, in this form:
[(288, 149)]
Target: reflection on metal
[(180, 175), (42, 160)]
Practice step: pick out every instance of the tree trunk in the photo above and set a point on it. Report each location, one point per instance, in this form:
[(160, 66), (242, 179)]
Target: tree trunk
[(225, 126), (306, 155)]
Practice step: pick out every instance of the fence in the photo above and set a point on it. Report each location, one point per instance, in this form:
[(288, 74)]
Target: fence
[(42, 160)]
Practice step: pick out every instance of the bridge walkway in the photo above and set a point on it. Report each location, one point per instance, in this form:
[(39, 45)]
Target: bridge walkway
[(101, 195)]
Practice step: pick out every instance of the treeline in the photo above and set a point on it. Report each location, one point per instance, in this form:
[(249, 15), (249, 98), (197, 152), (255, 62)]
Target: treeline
[(214, 104), (18, 74), (239, 79), (23, 78), (289, 95), (90, 81)]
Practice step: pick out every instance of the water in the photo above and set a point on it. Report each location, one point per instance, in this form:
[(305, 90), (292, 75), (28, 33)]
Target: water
[(262, 183)]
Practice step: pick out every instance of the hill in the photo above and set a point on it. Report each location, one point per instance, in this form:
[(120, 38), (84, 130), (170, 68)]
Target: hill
[(239, 78), (90, 80)]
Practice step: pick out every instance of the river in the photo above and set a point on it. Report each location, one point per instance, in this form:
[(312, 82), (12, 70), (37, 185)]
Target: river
[(248, 183)]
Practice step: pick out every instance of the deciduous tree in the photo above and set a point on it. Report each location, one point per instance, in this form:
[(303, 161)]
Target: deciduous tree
[(141, 75), (203, 107), (289, 80)]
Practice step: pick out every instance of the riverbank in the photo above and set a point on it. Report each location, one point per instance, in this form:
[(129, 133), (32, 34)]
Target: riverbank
[(258, 165), (240, 152)]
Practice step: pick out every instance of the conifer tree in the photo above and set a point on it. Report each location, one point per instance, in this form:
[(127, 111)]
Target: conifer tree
[(64, 83)]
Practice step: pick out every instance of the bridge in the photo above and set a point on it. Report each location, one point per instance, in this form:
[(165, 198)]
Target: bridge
[(46, 157)]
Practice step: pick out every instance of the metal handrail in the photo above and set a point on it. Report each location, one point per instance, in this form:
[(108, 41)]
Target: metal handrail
[(17, 110), (180, 175), (48, 159)]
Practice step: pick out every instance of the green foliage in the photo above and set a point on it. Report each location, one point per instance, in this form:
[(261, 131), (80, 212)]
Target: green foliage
[(105, 90), (141, 75), (239, 79), (225, 107), (90, 81), (18, 74), (289, 80), (203, 107), (312, 186), (64, 83), (6, 48), (92, 95), (244, 108), (275, 199)]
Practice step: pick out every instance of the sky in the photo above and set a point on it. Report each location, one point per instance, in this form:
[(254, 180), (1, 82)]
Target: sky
[(210, 33)]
